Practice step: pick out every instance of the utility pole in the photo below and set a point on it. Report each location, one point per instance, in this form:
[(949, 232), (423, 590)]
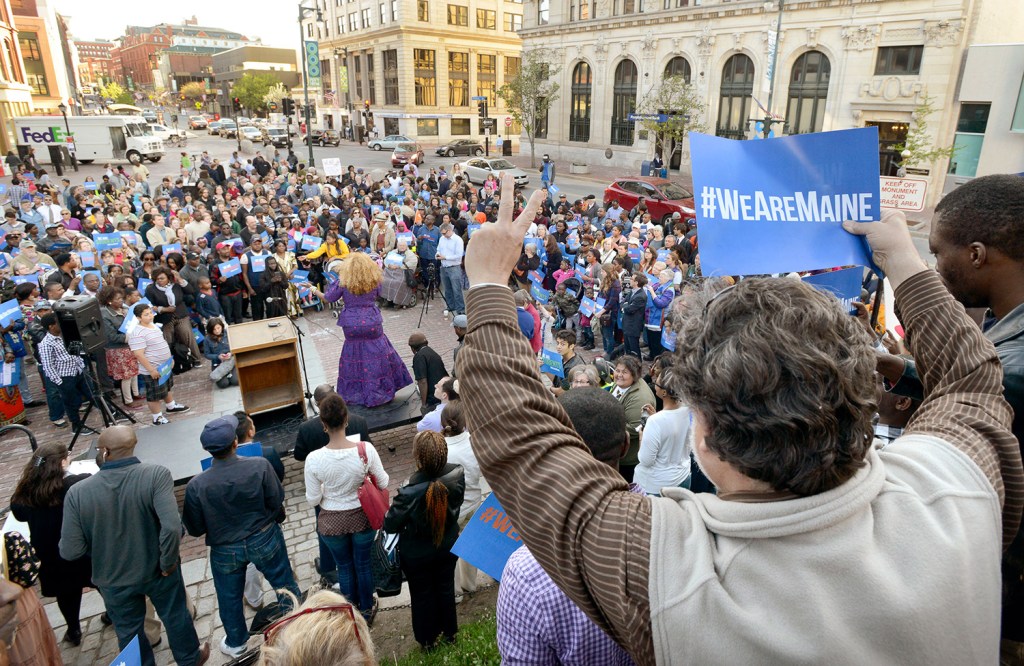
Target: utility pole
[(769, 120), (305, 70)]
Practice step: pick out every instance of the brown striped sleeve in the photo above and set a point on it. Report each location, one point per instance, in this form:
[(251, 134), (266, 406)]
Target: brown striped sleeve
[(963, 392), (577, 516)]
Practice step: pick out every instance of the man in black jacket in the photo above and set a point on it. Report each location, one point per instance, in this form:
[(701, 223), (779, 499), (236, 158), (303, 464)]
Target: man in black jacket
[(634, 304), (311, 437)]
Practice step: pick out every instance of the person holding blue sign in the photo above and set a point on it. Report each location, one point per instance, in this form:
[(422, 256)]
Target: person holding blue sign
[(425, 513), (659, 297), (151, 350)]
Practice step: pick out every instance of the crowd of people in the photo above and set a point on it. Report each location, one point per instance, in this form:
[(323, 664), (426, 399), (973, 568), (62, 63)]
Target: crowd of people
[(745, 425)]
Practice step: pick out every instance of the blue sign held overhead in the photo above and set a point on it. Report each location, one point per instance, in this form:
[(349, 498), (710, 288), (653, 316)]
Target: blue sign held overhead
[(844, 285), (778, 206), (10, 311), (488, 539)]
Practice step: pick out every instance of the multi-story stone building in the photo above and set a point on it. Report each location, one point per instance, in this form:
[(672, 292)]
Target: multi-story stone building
[(139, 52), (231, 65), (40, 37), (418, 63), (95, 65), (840, 64), (15, 92)]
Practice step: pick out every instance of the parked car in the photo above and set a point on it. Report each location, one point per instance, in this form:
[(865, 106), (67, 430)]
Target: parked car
[(460, 147), (210, 117), (390, 142), (662, 196), (251, 133), (197, 122), (165, 133), (149, 115), (276, 136), (213, 127), (323, 138), (479, 168), (406, 153), (227, 128), (243, 121)]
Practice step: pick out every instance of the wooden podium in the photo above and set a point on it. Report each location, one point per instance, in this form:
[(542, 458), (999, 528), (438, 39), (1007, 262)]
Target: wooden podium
[(267, 360)]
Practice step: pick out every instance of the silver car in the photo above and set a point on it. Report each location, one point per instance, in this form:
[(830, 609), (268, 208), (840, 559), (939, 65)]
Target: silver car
[(390, 142), (478, 168)]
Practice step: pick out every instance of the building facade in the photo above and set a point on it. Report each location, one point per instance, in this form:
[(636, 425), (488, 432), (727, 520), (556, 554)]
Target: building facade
[(840, 64), (15, 92), (417, 63), (95, 64), (40, 41), (230, 65), (140, 49)]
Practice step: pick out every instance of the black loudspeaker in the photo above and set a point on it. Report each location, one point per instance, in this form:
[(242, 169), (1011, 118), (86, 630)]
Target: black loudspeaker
[(80, 322)]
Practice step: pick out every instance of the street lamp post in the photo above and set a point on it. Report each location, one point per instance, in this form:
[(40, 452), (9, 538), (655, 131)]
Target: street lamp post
[(768, 119), (64, 112), (305, 69)]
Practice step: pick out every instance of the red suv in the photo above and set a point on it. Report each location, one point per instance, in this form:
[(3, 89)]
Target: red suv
[(663, 197)]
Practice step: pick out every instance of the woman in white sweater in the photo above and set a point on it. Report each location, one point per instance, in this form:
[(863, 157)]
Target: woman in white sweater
[(333, 476), (453, 427), (664, 442)]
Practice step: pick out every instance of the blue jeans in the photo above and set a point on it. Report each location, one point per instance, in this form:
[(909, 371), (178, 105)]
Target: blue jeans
[(54, 403), (266, 549), (451, 282), (327, 565), (126, 607), (26, 392), (355, 571), (73, 390), (608, 339)]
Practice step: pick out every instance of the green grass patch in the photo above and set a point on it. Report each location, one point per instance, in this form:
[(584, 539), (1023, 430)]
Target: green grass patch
[(475, 645)]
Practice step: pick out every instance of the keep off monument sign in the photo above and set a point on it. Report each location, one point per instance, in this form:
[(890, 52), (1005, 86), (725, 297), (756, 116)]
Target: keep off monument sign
[(903, 193)]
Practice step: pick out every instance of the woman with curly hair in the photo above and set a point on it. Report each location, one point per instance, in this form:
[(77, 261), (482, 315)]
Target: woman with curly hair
[(426, 515), (370, 371)]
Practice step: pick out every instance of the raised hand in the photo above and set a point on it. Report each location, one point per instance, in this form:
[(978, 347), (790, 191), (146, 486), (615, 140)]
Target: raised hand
[(493, 253)]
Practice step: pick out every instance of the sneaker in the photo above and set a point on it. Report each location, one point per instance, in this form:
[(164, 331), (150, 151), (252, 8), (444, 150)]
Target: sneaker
[(86, 430), (61, 423), (160, 420), (233, 652), (177, 409), (32, 404)]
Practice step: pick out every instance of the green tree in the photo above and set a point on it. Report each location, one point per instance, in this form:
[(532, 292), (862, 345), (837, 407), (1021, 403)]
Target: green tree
[(116, 92), (682, 104), (276, 94), (251, 90), (919, 146), (194, 90), (530, 94)]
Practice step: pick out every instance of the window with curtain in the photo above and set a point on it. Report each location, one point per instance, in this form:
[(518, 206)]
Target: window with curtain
[(458, 78), (808, 92), (734, 97), (458, 15), (485, 19), (425, 72), (423, 10), (623, 103), (487, 77), (580, 96)]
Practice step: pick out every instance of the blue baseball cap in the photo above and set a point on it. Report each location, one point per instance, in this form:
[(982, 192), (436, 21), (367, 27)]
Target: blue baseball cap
[(219, 434)]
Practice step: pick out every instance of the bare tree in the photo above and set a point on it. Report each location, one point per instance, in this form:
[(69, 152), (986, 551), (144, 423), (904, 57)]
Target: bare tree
[(672, 110), (530, 93)]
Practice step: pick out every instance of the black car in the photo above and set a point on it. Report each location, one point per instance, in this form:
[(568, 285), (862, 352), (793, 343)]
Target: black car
[(461, 147), (323, 138)]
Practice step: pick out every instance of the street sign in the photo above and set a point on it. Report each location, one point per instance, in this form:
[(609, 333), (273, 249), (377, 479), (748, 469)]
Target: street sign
[(508, 121), (488, 123), (904, 193), (478, 98), (656, 117)]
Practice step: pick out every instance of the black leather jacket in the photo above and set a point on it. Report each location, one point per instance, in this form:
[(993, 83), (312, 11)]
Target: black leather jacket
[(408, 513)]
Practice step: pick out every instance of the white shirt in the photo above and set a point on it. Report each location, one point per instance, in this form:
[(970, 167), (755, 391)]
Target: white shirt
[(333, 476), (50, 213), (451, 249), (664, 450), (461, 453)]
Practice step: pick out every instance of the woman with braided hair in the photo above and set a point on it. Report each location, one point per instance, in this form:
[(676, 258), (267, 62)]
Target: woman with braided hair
[(426, 515)]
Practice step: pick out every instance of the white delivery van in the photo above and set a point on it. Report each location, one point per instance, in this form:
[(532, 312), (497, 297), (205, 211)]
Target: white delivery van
[(93, 137)]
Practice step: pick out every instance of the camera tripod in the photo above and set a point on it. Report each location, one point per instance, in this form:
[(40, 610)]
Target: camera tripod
[(432, 290), (96, 397)]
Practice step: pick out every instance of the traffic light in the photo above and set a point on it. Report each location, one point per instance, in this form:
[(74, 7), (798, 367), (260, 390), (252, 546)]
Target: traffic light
[(482, 108), (182, 97), (288, 106), (238, 102)]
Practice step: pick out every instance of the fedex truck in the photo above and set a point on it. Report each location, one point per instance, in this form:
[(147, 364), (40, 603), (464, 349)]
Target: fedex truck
[(104, 138)]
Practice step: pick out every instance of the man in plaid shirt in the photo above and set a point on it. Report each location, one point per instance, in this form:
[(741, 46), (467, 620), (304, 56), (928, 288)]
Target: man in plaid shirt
[(64, 370)]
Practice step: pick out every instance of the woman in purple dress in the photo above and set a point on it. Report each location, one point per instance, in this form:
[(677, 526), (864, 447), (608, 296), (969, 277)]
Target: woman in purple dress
[(370, 371)]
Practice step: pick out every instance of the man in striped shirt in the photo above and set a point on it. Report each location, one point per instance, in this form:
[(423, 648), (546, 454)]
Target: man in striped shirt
[(67, 372)]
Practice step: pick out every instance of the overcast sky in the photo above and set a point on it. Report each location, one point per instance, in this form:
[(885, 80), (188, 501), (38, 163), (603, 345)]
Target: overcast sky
[(273, 22)]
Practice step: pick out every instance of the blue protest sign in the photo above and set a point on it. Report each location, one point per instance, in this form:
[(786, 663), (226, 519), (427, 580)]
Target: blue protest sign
[(472, 228), (144, 284), (551, 362), (249, 450), (130, 655), (299, 276), (25, 279), (572, 224), (3, 189), (3, 261), (88, 259), (230, 268), (81, 284), (540, 294), (553, 189), (488, 539), (844, 285), (778, 206), (408, 237), (265, 237), (165, 369), (668, 339), (258, 263), (10, 312), (635, 253), (536, 276), (198, 336), (107, 241), (663, 255), (169, 248), (310, 242), (291, 245), (9, 375), (588, 306), (394, 260)]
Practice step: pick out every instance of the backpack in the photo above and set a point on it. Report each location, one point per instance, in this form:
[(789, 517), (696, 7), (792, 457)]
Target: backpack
[(182, 356)]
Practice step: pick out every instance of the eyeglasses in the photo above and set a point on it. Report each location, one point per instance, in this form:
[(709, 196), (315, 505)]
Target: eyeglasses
[(285, 620)]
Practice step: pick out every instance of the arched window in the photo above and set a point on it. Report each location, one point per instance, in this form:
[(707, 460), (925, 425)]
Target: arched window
[(808, 91), (734, 101), (623, 103), (579, 113), (678, 66)]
